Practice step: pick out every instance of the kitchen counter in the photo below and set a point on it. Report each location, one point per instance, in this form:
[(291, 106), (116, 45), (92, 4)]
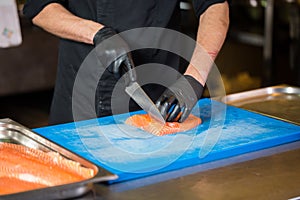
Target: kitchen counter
[(255, 157), (272, 173), (274, 176)]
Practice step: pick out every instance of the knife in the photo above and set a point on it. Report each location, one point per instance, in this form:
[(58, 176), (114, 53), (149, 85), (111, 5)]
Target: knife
[(135, 91)]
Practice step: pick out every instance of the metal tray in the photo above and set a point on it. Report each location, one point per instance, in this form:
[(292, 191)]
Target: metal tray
[(13, 132), (280, 102)]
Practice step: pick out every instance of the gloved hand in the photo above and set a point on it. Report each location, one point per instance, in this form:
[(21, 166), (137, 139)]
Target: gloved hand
[(177, 102), (110, 50)]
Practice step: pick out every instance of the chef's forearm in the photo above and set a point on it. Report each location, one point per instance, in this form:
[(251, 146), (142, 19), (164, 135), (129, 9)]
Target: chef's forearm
[(211, 34), (57, 20)]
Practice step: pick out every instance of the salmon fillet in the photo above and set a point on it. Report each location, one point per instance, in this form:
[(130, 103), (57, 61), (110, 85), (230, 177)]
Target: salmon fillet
[(21, 165), (14, 185), (145, 122)]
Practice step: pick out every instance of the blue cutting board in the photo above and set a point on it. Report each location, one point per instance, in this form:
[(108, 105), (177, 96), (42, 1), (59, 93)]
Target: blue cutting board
[(132, 153)]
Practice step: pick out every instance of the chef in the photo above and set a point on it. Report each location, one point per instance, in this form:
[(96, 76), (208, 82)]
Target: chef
[(82, 25)]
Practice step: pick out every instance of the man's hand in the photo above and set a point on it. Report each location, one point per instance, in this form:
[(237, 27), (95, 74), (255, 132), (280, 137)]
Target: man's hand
[(111, 49), (177, 102)]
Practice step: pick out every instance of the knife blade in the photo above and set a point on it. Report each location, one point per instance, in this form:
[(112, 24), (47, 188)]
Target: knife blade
[(135, 91)]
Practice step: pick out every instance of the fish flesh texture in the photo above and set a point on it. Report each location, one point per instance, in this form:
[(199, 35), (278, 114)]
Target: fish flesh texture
[(145, 122), (27, 168), (13, 185)]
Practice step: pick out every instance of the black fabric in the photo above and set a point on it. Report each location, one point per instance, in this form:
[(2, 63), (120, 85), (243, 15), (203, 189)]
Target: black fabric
[(121, 16), (201, 5)]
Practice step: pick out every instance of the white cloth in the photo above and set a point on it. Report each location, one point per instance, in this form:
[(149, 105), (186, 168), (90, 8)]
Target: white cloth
[(10, 31)]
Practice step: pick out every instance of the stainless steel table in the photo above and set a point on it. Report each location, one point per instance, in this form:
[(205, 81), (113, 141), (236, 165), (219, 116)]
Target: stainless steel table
[(267, 174)]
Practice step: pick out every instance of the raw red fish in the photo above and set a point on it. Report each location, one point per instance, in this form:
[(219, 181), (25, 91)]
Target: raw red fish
[(14, 185), (145, 122), (20, 164)]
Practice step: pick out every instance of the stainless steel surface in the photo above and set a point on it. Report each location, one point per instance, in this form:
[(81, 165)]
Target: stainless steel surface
[(143, 100), (281, 102), (11, 131), (268, 174)]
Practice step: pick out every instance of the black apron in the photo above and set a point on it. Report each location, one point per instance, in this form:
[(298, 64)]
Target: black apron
[(120, 15)]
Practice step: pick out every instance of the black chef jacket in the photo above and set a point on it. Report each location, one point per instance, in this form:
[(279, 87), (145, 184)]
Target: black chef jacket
[(121, 15)]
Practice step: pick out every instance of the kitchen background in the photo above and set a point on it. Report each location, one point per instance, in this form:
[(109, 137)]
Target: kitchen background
[(262, 49)]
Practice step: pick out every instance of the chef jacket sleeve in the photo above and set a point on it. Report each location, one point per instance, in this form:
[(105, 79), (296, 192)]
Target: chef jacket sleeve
[(33, 7), (201, 5)]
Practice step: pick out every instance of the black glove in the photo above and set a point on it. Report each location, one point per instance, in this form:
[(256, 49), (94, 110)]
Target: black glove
[(177, 102), (112, 48)]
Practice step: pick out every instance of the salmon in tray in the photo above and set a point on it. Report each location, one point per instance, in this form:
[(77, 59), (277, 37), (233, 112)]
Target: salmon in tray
[(27, 168), (32, 166)]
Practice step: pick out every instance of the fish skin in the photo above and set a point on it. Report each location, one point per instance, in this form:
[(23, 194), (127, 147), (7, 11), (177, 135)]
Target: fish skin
[(38, 168), (145, 122)]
